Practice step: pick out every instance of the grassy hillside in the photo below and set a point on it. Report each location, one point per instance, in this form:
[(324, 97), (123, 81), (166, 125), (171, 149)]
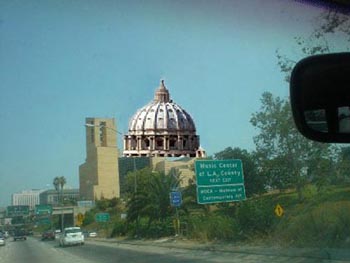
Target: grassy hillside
[(321, 220)]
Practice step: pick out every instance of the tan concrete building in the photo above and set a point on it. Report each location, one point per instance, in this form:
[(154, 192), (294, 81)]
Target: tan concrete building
[(185, 166), (99, 175)]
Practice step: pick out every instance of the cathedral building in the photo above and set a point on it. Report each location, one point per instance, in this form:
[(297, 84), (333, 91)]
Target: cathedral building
[(158, 130), (162, 128)]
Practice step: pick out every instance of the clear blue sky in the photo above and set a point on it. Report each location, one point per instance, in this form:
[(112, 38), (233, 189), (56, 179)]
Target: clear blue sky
[(62, 61)]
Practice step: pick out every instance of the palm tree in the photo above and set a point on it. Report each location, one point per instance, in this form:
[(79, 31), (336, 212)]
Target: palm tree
[(58, 183), (62, 181), (152, 200)]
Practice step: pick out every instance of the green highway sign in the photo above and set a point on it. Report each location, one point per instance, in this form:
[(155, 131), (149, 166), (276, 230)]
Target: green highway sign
[(219, 172), (218, 193), (102, 217), (17, 210), (43, 209), (219, 181)]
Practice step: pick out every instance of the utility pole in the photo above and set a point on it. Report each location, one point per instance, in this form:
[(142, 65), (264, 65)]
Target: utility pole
[(135, 192), (62, 214)]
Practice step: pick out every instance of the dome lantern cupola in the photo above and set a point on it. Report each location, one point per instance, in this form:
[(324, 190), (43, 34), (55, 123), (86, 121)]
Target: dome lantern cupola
[(162, 94)]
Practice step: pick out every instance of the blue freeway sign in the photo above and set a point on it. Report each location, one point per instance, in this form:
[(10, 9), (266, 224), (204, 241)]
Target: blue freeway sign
[(219, 181), (175, 198)]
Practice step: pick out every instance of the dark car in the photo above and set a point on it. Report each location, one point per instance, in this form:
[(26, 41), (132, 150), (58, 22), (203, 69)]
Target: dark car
[(48, 235), (19, 234)]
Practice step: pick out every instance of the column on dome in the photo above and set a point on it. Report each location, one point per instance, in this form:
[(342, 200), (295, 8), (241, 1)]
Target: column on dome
[(179, 143), (152, 143), (138, 139), (125, 143), (166, 143), (131, 142)]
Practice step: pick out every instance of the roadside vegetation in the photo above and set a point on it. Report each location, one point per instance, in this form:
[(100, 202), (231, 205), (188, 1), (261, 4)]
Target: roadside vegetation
[(322, 219)]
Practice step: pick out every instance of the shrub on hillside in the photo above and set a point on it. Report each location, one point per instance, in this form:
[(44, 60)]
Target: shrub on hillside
[(255, 217), (327, 225), (212, 227)]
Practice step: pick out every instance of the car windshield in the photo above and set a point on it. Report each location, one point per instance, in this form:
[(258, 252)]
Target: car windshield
[(164, 130), (74, 230)]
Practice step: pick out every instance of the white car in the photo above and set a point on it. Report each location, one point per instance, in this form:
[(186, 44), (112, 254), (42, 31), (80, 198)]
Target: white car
[(57, 233), (71, 236), (92, 234), (2, 240)]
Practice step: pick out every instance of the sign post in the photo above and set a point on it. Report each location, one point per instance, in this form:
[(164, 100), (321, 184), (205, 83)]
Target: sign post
[(176, 201), (219, 181)]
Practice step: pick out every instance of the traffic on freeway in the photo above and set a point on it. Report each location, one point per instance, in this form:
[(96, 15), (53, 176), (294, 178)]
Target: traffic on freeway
[(107, 251)]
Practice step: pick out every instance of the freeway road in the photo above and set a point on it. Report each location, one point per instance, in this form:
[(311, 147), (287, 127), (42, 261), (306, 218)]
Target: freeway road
[(35, 251)]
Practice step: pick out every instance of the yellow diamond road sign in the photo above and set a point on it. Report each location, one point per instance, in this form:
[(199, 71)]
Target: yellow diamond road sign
[(278, 210)]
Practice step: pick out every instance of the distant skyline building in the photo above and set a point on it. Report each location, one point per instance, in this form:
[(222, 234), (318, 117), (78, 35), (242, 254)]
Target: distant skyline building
[(161, 128), (27, 197), (53, 197), (99, 175)]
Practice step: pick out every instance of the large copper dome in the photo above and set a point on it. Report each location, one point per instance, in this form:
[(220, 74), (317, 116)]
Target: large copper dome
[(161, 128)]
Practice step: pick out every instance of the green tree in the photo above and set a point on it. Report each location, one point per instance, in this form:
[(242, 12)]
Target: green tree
[(342, 173), (284, 154), (59, 183), (331, 34), (151, 197), (253, 180)]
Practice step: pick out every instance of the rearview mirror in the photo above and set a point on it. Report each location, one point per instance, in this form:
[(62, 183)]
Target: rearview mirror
[(320, 97)]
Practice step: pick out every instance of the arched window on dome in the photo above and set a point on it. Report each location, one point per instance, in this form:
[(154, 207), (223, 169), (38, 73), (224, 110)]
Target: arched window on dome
[(146, 143), (172, 143), (159, 143), (133, 143), (185, 142)]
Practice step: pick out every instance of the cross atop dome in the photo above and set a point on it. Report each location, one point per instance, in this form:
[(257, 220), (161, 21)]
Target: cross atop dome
[(162, 94)]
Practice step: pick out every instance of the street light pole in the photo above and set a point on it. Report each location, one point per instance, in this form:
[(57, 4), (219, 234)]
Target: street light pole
[(135, 177), (62, 214)]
